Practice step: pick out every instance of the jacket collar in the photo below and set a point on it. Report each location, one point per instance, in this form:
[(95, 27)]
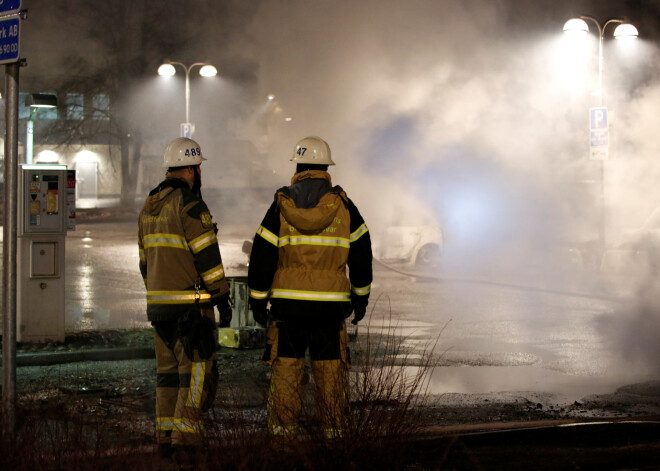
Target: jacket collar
[(311, 174)]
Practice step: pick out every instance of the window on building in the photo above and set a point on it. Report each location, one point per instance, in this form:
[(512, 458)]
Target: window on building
[(101, 104), (75, 106)]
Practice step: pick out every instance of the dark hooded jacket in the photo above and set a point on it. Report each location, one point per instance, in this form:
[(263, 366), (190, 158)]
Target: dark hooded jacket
[(309, 237)]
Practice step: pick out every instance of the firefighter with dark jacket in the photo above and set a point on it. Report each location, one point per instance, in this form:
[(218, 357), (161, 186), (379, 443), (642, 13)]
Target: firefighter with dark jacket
[(183, 274), (311, 233)]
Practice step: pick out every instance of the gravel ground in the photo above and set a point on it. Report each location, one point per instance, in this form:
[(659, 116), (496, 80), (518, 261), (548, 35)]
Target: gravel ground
[(244, 381), (114, 400)]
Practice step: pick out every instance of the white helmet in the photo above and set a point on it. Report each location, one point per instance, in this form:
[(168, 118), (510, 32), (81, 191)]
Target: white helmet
[(182, 152), (312, 150)]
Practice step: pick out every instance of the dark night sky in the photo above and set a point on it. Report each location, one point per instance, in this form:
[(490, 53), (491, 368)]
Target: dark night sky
[(475, 82)]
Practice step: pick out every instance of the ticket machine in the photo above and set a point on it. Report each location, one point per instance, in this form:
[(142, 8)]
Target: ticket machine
[(42, 224)]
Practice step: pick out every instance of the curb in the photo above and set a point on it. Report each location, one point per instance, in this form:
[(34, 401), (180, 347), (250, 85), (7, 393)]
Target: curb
[(96, 354), (101, 354)]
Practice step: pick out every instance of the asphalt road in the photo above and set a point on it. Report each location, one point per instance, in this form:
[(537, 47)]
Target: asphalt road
[(504, 348), (561, 334), (555, 332)]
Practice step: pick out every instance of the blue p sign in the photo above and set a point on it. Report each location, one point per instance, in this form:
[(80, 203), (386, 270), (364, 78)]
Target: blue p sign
[(186, 130), (598, 118)]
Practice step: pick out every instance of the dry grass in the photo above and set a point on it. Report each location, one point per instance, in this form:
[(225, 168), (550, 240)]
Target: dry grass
[(389, 393)]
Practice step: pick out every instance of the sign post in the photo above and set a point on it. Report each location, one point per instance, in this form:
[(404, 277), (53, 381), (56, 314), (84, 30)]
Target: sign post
[(9, 55)]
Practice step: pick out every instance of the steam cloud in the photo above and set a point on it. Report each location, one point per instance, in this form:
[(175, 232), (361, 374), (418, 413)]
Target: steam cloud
[(459, 113), (435, 114)]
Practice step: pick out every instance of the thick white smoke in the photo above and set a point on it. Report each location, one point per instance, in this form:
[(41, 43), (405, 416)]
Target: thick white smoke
[(419, 98), (464, 113)]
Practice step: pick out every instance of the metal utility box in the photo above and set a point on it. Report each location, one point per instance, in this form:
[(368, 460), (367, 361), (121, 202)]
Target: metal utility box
[(42, 224), (240, 297), (243, 331)]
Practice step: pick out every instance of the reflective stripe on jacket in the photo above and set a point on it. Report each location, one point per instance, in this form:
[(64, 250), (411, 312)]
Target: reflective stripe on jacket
[(301, 253), (178, 250)]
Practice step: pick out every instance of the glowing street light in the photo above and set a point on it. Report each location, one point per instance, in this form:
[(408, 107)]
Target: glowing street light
[(207, 70), (579, 26)]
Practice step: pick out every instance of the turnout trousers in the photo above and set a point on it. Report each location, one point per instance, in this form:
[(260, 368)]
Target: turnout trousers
[(185, 388), (287, 344)]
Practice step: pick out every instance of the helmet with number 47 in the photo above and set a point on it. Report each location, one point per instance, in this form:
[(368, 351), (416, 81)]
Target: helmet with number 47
[(312, 150), (182, 152)]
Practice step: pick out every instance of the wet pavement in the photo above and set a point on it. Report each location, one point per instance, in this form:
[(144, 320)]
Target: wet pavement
[(505, 349), (494, 334)]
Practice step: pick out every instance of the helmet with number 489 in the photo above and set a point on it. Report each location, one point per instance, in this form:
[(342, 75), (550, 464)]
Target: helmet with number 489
[(312, 150), (182, 152)]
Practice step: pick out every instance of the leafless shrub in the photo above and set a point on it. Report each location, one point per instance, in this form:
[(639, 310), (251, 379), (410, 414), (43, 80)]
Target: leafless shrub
[(389, 389), (388, 384)]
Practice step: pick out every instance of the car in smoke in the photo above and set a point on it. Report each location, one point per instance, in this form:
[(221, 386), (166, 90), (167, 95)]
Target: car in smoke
[(416, 245)]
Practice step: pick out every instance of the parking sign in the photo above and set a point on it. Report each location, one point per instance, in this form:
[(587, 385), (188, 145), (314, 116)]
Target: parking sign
[(186, 130), (599, 134), (598, 118)]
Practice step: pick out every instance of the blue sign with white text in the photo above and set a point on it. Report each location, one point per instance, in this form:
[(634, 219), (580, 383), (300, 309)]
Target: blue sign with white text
[(9, 40), (186, 130), (597, 118), (8, 6), (599, 138)]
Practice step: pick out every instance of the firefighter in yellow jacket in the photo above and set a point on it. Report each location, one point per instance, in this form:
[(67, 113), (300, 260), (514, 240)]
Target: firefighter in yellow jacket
[(311, 233), (183, 274)]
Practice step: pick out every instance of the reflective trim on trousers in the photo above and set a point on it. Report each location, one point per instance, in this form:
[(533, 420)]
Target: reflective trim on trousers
[(179, 425), (280, 430), (196, 385)]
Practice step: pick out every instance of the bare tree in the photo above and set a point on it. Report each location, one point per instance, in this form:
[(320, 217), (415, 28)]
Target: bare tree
[(117, 44)]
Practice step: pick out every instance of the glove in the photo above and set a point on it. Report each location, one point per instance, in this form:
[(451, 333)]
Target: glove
[(225, 310), (260, 311), (197, 332), (348, 310), (359, 304), (360, 312)]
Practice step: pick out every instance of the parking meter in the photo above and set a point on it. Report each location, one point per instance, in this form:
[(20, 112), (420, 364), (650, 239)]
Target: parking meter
[(42, 224)]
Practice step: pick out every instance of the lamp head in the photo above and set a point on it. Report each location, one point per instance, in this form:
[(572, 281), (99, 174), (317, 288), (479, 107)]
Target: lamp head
[(576, 26), (41, 100), (166, 69), (625, 31), (208, 70)]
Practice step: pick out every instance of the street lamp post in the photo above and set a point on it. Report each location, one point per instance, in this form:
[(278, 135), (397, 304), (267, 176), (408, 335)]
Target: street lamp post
[(623, 31), (35, 101), (207, 70)]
